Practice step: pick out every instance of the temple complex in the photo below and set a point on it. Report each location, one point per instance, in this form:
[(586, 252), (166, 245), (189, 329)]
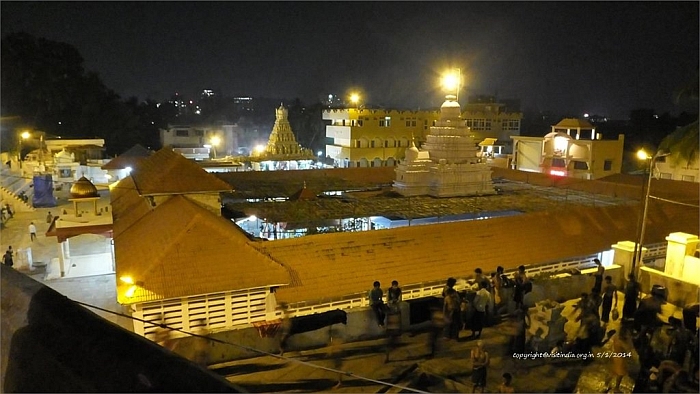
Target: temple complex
[(448, 166), (282, 145)]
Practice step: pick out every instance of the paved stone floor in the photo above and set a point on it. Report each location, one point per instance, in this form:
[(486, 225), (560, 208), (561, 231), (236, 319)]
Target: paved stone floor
[(98, 290), (409, 366)]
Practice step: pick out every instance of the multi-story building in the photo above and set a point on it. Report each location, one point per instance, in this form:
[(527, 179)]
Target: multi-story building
[(201, 142), (361, 137), (573, 148)]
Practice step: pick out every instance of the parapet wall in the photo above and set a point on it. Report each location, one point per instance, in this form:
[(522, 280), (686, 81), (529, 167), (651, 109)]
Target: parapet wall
[(52, 344)]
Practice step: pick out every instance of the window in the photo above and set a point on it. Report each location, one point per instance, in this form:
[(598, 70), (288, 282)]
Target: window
[(385, 122), (666, 175), (558, 163), (371, 144), (199, 133), (608, 165), (488, 124), (688, 178), (510, 125), (360, 122), (410, 122), (353, 123), (357, 143), (580, 165), (182, 133)]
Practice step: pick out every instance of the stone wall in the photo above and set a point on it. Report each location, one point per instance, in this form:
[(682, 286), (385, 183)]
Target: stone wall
[(680, 293)]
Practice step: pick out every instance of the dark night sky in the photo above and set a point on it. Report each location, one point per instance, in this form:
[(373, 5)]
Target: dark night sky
[(602, 58)]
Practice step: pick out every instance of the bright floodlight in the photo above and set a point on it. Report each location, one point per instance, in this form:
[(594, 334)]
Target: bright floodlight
[(215, 140), (642, 155), (25, 135), (127, 279), (260, 148), (319, 153), (354, 98), (450, 81)]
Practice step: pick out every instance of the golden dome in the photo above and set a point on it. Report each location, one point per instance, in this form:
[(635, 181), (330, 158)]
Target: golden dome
[(83, 188)]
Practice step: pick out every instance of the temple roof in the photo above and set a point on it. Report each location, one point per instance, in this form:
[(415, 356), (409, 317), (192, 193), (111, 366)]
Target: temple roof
[(167, 172), (340, 264), (303, 194), (180, 249), (130, 158)]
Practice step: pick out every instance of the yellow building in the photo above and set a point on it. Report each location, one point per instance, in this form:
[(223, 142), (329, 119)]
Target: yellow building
[(362, 137)]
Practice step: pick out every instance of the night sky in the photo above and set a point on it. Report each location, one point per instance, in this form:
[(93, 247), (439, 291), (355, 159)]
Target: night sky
[(600, 58)]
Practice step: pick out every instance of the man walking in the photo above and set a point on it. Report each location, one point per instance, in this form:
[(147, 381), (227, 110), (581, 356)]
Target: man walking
[(32, 231)]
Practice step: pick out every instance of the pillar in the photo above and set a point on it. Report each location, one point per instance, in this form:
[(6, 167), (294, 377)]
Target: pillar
[(679, 246), (624, 255)]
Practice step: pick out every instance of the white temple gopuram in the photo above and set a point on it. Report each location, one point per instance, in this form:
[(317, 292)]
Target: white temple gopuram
[(448, 165)]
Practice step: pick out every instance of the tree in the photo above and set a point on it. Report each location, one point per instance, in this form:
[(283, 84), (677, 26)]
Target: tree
[(44, 83)]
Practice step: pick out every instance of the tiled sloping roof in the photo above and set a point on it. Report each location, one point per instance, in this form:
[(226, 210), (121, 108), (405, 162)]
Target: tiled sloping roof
[(167, 172), (303, 194), (335, 265), (573, 123), (127, 206), (180, 249), (130, 158)]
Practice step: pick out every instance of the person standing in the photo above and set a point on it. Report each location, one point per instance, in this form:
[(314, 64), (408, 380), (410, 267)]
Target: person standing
[(8, 258), (481, 301), (452, 313), (631, 296), (608, 296), (32, 231), (49, 218), (599, 275), (480, 361), (376, 301)]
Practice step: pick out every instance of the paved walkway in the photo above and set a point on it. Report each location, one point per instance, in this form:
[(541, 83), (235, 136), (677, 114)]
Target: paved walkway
[(98, 290)]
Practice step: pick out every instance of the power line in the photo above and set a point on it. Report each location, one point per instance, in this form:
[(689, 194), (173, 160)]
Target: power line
[(675, 202), (250, 349)]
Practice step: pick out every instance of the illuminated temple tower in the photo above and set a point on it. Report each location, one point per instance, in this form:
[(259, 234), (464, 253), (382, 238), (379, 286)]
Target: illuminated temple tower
[(448, 165), (282, 144)]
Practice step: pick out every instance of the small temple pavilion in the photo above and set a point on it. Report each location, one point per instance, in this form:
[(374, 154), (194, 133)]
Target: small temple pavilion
[(448, 166), (85, 218)]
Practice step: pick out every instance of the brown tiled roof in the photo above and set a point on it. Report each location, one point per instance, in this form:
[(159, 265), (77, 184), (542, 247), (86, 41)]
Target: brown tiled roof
[(127, 206), (130, 158), (259, 184), (303, 194), (336, 265), (167, 172), (180, 249)]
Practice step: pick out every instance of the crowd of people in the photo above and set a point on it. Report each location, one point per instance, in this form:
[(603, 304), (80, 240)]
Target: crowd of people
[(488, 300)]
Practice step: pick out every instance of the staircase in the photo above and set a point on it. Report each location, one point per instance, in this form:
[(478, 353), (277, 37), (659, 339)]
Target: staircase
[(11, 184)]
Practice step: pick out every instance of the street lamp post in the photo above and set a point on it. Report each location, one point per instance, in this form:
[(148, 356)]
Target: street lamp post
[(453, 82), (637, 257), (23, 136)]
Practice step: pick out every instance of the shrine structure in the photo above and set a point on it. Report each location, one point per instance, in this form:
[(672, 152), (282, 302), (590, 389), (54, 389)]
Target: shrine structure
[(448, 166)]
